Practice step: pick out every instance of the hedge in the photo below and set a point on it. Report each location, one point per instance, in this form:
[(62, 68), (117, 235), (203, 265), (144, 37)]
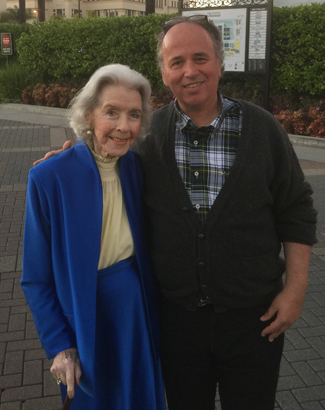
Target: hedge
[(298, 49), (77, 47)]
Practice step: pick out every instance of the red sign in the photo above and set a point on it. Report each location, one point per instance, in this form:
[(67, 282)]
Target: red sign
[(6, 44), (6, 40)]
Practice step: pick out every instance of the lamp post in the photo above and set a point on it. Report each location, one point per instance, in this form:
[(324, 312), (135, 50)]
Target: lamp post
[(36, 11)]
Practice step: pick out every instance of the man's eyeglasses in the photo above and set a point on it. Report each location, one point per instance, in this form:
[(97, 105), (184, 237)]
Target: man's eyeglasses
[(166, 25)]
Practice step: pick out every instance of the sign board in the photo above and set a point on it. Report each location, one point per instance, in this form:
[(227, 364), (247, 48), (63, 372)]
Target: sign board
[(232, 24), (245, 34), (257, 39), (6, 44)]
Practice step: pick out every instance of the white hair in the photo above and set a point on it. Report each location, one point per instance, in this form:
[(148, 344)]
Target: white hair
[(89, 97)]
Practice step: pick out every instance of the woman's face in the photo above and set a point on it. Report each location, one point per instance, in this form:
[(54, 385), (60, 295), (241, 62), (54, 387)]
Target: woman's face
[(116, 120)]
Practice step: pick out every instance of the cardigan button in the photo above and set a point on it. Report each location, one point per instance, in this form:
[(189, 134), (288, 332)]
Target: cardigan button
[(185, 209), (201, 235), (201, 264)]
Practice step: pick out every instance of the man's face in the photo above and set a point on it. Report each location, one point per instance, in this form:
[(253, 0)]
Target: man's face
[(191, 69)]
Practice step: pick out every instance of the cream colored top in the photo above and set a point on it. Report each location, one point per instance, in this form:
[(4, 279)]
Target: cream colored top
[(116, 241)]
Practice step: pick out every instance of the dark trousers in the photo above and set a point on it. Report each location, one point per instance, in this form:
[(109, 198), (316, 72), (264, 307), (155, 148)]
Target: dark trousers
[(203, 349)]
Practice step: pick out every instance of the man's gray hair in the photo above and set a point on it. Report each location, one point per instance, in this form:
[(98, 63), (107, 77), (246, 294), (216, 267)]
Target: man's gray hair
[(89, 97), (208, 25)]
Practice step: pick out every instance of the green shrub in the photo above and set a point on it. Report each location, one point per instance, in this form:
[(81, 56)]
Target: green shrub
[(77, 47), (298, 49), (14, 78)]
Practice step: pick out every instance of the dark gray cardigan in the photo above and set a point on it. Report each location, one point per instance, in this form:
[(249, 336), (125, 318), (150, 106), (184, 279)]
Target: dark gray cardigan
[(234, 255)]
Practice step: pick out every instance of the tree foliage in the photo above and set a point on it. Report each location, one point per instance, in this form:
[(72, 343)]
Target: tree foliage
[(298, 49), (11, 15)]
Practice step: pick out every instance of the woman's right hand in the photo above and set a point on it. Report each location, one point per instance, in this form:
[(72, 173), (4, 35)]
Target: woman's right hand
[(66, 368)]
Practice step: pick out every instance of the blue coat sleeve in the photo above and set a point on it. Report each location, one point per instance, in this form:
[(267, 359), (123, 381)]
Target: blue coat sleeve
[(38, 282)]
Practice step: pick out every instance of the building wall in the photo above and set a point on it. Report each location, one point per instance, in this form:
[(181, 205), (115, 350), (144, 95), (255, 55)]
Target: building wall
[(3, 5), (102, 8)]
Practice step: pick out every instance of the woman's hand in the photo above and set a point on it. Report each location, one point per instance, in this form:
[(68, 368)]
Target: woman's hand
[(50, 154), (66, 368)]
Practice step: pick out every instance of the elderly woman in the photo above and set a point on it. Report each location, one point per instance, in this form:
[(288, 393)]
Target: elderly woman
[(86, 269)]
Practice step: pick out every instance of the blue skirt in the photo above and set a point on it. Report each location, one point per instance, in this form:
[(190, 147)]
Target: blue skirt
[(126, 374)]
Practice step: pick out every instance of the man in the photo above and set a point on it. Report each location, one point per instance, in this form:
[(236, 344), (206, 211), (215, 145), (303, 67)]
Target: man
[(224, 190)]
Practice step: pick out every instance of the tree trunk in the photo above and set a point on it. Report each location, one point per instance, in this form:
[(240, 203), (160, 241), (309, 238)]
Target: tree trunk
[(150, 7), (41, 10), (22, 11)]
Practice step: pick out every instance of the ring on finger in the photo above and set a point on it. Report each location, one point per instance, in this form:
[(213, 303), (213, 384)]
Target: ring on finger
[(58, 381)]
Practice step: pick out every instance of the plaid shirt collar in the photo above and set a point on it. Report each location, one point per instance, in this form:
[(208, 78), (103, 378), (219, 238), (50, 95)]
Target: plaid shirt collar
[(183, 120)]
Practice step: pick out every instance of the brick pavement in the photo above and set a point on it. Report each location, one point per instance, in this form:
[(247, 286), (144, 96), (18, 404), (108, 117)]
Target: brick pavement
[(25, 380)]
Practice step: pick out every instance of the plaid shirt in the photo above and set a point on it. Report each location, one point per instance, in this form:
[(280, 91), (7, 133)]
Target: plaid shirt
[(205, 155)]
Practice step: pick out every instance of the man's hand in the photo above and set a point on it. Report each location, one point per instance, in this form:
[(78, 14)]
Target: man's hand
[(66, 367), (50, 154), (287, 305)]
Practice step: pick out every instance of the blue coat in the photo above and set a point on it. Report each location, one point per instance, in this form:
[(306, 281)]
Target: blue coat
[(62, 240)]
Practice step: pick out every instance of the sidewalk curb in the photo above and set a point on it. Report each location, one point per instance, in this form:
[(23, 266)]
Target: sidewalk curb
[(309, 141), (35, 109), (63, 112)]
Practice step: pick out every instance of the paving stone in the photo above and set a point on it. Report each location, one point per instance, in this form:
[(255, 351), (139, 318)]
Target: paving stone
[(307, 373), (31, 332), (21, 393), (35, 354), (300, 355), (290, 382), (11, 275), (286, 368), (17, 322), (313, 331), (50, 386), (12, 380), (14, 405), (296, 339), (33, 372), (317, 365), (3, 328), (310, 393), (310, 318), (313, 405), (2, 352), (4, 315), (12, 302), (23, 345), (20, 309), (48, 403), (6, 285), (11, 336), (47, 364), (318, 343), (7, 263), (14, 362), (287, 401)]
